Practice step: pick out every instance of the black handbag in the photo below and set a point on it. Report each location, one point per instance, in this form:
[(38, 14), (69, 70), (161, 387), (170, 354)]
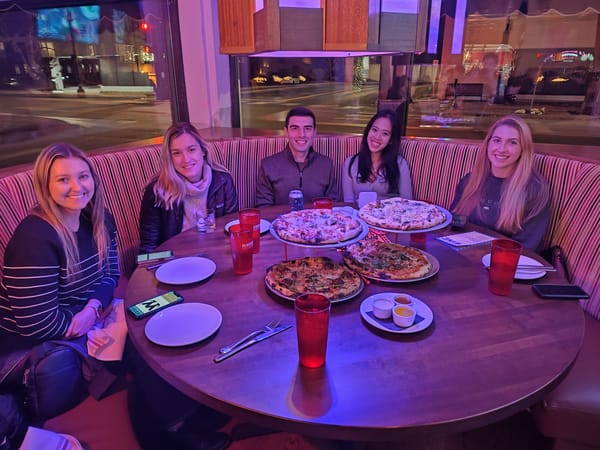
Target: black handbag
[(47, 379), (53, 381)]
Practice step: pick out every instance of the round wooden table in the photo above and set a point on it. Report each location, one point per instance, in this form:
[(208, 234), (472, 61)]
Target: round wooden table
[(484, 357)]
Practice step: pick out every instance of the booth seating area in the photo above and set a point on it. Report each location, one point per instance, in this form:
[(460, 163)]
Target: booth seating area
[(571, 414)]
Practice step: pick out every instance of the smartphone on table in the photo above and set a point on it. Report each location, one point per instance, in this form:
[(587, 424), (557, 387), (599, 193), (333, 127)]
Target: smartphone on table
[(560, 291), (146, 258), (154, 304)]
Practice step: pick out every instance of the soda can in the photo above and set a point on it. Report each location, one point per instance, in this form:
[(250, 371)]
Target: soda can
[(296, 200)]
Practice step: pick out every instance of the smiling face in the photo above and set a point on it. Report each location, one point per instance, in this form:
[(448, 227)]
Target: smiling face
[(70, 184), (187, 157), (379, 135), (300, 132), (504, 151)]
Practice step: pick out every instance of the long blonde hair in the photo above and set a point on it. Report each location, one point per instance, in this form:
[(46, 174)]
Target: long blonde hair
[(524, 188), (52, 213), (170, 186)]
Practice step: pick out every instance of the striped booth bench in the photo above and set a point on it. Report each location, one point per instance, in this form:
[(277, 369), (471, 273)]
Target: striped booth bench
[(436, 167)]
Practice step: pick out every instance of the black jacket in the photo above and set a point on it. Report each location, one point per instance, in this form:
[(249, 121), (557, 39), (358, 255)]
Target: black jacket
[(157, 224)]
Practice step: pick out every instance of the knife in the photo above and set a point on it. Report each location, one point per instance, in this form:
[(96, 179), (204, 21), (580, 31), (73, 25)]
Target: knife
[(266, 335), (534, 267)]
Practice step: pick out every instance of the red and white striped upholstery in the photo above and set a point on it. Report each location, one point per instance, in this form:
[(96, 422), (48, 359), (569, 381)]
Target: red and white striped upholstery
[(124, 175), (436, 166), (577, 230)]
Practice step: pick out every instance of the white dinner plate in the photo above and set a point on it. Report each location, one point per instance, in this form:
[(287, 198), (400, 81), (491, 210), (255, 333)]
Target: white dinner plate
[(528, 274), (423, 320), (264, 225), (190, 269), (183, 324)]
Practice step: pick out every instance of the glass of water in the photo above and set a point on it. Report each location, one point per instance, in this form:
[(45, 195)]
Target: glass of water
[(205, 220)]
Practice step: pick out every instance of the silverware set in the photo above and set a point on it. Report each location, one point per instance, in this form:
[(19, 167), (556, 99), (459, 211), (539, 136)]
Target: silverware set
[(270, 329)]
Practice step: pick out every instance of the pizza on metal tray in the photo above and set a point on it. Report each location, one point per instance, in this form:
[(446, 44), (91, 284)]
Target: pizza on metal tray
[(386, 260), (319, 275), (316, 226), (399, 213)]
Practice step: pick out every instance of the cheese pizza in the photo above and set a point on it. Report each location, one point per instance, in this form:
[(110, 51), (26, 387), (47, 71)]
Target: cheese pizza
[(316, 226), (399, 213)]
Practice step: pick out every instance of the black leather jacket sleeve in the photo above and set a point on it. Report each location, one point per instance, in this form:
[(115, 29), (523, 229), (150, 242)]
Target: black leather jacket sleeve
[(157, 224), (222, 194)]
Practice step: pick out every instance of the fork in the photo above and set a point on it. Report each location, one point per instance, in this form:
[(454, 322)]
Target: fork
[(268, 327)]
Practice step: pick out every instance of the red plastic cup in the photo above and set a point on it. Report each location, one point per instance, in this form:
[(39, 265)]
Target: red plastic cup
[(503, 265), (240, 238), (251, 216), (312, 326), (322, 203), (418, 238)]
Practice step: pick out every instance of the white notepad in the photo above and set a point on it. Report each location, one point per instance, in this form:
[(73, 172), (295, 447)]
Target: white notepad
[(469, 238)]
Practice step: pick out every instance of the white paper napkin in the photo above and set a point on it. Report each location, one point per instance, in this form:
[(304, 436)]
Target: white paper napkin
[(106, 341)]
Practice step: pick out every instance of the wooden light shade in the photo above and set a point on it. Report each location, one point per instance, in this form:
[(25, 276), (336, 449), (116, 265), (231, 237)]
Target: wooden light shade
[(346, 24), (236, 26), (338, 25)]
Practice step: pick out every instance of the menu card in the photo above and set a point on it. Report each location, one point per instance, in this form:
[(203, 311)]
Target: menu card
[(467, 239)]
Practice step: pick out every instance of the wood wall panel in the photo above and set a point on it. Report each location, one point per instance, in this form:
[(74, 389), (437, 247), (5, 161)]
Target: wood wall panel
[(236, 26), (267, 35), (346, 24)]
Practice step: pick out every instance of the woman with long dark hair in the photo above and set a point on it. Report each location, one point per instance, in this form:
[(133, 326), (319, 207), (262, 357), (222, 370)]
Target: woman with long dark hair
[(378, 167)]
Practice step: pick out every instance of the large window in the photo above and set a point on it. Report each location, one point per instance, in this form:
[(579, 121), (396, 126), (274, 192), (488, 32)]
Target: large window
[(91, 74), (538, 63), (541, 64), (106, 73)]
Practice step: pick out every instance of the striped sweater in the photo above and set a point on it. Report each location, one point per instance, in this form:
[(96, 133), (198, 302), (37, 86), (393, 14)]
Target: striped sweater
[(37, 301)]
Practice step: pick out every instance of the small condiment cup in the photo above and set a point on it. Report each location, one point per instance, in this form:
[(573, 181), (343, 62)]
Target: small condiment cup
[(404, 316), (404, 300), (382, 308)]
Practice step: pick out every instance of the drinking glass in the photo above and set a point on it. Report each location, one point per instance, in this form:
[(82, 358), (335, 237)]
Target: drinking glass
[(418, 238), (322, 203), (251, 216), (205, 221), (240, 238), (312, 327), (503, 265)]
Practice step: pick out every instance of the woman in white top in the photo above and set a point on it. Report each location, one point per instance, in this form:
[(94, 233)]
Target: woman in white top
[(378, 167)]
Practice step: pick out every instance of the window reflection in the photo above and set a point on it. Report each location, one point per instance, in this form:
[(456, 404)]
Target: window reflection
[(513, 58), (92, 75)]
